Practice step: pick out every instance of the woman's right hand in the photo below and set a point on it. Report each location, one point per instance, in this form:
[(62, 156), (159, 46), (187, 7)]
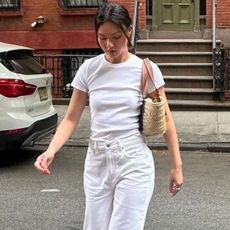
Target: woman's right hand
[(43, 162), (76, 106)]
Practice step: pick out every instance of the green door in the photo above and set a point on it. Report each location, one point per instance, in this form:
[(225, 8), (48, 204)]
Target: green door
[(176, 14)]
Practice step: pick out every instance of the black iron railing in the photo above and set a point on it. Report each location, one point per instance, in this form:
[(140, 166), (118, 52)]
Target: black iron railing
[(218, 67), (63, 68), (10, 4), (73, 4), (221, 70), (227, 74)]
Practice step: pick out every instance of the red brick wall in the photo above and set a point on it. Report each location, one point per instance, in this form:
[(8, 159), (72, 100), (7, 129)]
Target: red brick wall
[(222, 13), (64, 29), (61, 31)]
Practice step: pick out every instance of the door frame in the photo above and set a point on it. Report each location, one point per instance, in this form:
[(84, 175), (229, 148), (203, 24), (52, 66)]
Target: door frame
[(155, 16)]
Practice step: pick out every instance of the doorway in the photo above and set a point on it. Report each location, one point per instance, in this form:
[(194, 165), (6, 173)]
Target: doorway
[(176, 15)]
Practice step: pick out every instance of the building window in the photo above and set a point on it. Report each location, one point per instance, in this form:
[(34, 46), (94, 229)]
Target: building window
[(9, 4), (149, 8), (72, 4), (202, 7)]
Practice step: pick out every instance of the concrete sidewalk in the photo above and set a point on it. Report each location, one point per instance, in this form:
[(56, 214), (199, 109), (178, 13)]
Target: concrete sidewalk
[(197, 130)]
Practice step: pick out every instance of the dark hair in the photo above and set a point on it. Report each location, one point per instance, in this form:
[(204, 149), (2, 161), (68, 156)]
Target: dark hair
[(117, 14)]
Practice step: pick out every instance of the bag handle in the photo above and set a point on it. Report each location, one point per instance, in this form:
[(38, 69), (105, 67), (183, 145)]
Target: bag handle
[(148, 71)]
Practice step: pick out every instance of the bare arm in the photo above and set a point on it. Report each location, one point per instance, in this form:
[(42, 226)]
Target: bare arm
[(171, 139), (64, 130)]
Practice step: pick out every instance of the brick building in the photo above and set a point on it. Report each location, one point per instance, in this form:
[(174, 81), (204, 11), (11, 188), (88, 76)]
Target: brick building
[(222, 19), (68, 25)]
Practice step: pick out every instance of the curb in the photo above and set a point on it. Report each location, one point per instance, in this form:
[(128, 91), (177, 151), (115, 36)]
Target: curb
[(203, 146), (207, 147)]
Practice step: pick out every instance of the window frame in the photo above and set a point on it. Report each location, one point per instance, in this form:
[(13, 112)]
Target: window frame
[(83, 4), (9, 5)]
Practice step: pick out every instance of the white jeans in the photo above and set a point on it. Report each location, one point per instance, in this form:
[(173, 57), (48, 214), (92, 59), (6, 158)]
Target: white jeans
[(118, 183)]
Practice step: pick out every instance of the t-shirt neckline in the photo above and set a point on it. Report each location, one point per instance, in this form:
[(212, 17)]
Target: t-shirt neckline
[(117, 64)]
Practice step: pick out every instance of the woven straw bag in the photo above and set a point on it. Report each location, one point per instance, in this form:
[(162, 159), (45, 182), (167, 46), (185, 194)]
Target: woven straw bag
[(152, 114)]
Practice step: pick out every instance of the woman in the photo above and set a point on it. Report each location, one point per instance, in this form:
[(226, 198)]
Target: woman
[(119, 168)]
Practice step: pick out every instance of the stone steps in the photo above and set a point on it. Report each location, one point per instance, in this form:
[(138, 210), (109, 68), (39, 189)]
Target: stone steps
[(190, 93), (175, 45), (183, 69), (178, 57), (198, 105), (187, 67), (189, 81)]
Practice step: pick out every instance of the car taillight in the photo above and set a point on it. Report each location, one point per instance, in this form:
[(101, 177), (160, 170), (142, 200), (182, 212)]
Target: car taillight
[(13, 131), (16, 88)]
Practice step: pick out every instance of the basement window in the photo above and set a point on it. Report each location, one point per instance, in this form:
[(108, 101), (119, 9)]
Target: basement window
[(73, 4), (9, 4)]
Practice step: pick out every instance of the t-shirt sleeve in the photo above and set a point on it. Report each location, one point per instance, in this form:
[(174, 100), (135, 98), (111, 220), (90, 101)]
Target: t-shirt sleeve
[(80, 78), (158, 79)]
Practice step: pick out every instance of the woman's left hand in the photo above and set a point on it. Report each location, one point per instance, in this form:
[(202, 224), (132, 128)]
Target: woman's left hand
[(175, 180)]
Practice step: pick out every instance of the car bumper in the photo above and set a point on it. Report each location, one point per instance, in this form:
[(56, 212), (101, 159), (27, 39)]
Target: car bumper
[(38, 130)]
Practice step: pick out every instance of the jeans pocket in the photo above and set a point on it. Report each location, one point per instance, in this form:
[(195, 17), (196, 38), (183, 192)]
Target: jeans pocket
[(136, 151)]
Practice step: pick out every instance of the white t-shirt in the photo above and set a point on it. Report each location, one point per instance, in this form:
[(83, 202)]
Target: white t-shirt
[(115, 96)]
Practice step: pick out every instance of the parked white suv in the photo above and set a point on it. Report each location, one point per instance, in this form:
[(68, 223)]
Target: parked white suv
[(26, 110)]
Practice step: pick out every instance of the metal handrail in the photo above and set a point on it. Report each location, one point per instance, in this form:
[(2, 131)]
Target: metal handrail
[(135, 25), (214, 5)]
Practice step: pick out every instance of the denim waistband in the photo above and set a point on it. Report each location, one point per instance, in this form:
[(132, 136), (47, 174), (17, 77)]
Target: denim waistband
[(117, 143)]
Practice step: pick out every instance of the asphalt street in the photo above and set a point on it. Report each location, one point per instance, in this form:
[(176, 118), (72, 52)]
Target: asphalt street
[(31, 201)]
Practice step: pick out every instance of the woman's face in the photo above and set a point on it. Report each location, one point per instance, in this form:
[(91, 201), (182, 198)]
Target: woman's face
[(113, 42)]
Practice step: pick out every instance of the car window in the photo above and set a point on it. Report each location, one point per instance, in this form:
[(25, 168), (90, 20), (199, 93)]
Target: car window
[(6, 63), (22, 62)]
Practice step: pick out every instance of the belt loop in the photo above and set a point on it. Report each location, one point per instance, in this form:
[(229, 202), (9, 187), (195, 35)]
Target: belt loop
[(120, 145), (95, 145)]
